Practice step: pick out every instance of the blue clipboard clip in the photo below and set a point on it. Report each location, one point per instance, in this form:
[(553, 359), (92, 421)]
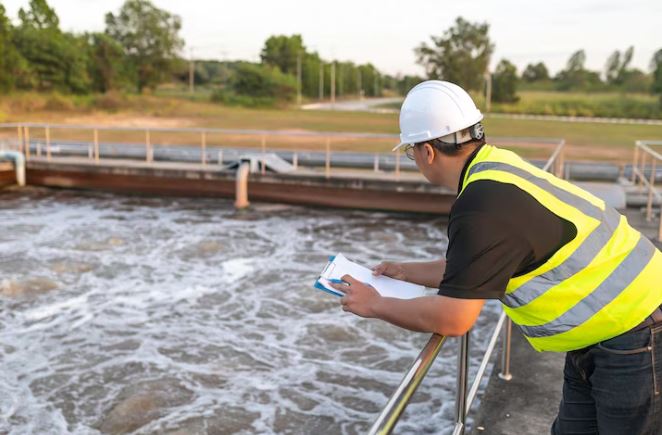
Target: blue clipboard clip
[(318, 285)]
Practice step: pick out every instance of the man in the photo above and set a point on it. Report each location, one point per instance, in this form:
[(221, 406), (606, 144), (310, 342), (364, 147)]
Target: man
[(568, 269)]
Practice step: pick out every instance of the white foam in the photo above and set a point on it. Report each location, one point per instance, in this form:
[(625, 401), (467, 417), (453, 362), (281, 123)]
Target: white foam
[(240, 326), (45, 311)]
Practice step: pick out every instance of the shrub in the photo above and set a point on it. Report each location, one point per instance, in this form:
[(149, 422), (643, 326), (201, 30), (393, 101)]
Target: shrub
[(263, 82)]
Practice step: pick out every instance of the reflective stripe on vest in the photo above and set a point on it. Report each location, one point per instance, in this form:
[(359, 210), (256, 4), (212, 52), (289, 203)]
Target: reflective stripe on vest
[(608, 276)]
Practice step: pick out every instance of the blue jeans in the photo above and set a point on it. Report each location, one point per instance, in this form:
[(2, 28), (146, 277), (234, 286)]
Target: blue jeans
[(614, 387)]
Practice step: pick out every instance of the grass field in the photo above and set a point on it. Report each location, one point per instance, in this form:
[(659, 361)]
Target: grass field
[(586, 141), (605, 104), (596, 104)]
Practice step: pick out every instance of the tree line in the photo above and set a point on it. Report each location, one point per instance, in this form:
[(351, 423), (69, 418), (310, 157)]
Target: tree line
[(137, 50), (464, 51), (140, 48), (287, 69)]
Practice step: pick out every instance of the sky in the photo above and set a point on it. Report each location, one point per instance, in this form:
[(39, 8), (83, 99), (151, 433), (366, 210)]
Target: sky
[(385, 32)]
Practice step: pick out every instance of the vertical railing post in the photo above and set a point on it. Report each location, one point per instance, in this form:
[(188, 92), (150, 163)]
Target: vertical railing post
[(295, 160), (561, 163), (651, 190), (263, 169), (397, 164), (148, 147), (327, 162), (462, 375), (635, 160), (203, 148), (20, 138), (26, 138), (642, 171), (96, 145), (48, 143), (220, 157), (376, 163), (505, 351)]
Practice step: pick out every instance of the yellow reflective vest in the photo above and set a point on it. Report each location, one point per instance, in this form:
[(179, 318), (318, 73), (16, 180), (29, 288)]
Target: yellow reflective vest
[(602, 283)]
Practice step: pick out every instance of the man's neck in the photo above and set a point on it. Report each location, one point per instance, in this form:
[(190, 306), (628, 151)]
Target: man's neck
[(452, 169)]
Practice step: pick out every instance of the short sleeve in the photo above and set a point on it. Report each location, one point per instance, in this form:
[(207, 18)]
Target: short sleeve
[(485, 249)]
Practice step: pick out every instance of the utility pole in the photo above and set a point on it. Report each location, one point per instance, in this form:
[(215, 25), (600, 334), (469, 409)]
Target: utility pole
[(321, 80), (341, 86), (191, 72), (359, 87), (333, 82), (299, 78)]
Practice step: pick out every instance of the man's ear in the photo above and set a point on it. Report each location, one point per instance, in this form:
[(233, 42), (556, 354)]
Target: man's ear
[(428, 153)]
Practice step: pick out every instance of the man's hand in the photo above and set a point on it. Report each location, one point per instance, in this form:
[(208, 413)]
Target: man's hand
[(394, 270), (359, 298)]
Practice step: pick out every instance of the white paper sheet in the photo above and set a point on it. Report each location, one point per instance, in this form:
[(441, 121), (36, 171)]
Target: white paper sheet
[(386, 286)]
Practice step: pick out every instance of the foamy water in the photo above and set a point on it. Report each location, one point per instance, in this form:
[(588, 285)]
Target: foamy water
[(182, 316)]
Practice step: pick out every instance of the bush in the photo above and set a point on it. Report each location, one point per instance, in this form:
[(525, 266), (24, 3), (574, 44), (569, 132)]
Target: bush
[(263, 82)]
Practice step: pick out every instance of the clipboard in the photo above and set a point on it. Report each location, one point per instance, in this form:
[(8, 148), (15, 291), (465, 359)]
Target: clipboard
[(338, 266)]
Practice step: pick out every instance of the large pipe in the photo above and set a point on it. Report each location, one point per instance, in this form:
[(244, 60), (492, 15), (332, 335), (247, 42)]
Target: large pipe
[(241, 192), (19, 164)]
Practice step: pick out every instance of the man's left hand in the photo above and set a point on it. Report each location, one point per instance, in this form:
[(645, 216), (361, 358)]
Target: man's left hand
[(359, 298)]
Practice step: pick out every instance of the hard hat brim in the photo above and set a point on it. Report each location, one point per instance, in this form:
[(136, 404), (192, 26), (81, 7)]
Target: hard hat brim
[(400, 145)]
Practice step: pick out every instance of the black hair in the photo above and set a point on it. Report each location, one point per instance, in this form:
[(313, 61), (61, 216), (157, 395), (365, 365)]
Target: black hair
[(451, 149)]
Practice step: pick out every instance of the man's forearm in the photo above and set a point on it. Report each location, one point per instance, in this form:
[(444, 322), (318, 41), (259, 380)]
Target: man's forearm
[(427, 273), (439, 314), (410, 314)]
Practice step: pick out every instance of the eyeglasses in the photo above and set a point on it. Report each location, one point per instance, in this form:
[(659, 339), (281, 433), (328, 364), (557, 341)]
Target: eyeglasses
[(409, 151)]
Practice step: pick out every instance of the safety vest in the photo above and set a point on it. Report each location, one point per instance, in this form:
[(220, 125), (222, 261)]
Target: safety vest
[(600, 284)]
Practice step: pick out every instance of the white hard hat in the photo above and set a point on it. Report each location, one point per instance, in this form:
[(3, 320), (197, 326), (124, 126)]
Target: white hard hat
[(437, 109)]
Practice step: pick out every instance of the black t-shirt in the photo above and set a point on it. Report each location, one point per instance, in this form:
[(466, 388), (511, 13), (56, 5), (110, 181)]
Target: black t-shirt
[(497, 231)]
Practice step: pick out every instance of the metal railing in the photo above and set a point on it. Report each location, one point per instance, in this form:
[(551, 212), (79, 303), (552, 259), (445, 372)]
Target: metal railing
[(198, 140), (388, 418), (206, 146), (642, 151)]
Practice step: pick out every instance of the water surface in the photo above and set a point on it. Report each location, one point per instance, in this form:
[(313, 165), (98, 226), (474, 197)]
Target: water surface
[(125, 314)]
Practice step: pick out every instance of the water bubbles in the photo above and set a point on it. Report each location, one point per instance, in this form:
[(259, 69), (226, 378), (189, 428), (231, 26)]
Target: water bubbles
[(183, 316)]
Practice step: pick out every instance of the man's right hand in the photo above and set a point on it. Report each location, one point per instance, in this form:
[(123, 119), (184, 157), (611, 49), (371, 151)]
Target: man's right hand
[(393, 270)]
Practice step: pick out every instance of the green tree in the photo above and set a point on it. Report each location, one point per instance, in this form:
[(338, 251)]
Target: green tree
[(282, 51), (405, 83), (150, 38), (39, 16), (616, 68), (504, 83), (57, 60), (656, 66), (107, 65), (576, 76), (461, 55), (13, 67), (310, 74), (535, 73), (263, 81), (636, 81), (371, 80)]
